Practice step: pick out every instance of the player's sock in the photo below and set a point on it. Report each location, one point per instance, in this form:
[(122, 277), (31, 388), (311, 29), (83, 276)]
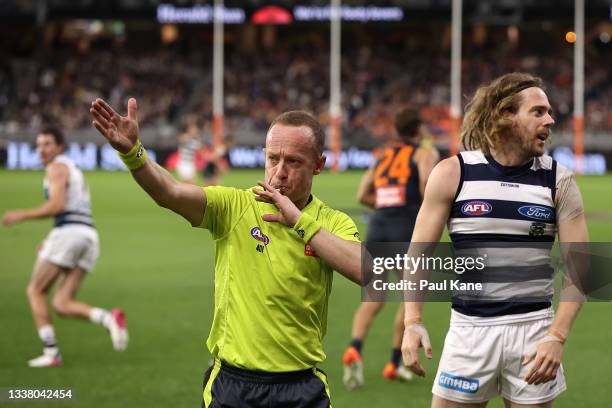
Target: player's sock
[(353, 366), (51, 356), (101, 317), (396, 356), (357, 344), (47, 336)]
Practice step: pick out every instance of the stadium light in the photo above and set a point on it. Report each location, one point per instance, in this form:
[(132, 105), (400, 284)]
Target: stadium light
[(169, 33)]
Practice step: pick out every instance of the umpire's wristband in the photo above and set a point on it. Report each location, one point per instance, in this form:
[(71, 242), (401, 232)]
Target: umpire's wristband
[(135, 158), (306, 227)]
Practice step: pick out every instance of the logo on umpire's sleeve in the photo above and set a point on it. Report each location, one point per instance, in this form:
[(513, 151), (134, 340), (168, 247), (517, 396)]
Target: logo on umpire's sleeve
[(308, 251), (301, 233), (139, 152)]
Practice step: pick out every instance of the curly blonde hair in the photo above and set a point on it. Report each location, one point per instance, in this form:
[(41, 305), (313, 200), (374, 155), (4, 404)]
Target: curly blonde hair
[(485, 115)]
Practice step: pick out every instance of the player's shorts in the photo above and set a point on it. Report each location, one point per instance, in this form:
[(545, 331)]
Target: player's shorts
[(230, 387), (482, 358), (70, 246), (210, 170), (383, 228), (186, 170)]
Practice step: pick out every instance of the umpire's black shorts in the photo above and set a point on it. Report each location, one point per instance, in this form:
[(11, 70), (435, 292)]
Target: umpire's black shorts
[(230, 387)]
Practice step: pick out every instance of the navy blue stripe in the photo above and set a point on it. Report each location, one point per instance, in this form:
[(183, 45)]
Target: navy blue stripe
[(64, 218), (486, 172), (508, 245), (66, 213), (493, 309), (508, 170), (507, 274), (502, 209), (462, 177), (500, 237), (60, 224)]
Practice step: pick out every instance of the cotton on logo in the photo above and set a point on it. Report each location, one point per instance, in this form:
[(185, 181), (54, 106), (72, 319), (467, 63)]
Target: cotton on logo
[(476, 208)]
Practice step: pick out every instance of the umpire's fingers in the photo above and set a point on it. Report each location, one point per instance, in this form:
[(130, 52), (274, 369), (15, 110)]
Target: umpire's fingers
[(262, 195), (99, 117), (112, 115), (97, 106), (103, 131), (132, 109), (272, 217)]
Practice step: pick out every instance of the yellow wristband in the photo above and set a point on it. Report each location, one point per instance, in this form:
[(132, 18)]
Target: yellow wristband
[(135, 158), (306, 227)]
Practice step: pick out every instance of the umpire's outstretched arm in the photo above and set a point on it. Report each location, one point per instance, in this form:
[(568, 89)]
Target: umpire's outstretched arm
[(121, 132)]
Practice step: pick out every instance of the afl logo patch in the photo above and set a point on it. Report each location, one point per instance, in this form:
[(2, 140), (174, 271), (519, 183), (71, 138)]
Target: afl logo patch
[(536, 212), (259, 236), (476, 208)]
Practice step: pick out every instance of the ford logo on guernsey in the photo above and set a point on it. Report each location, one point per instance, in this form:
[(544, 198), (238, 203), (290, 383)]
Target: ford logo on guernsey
[(536, 212), (452, 382), (476, 208), (259, 236)]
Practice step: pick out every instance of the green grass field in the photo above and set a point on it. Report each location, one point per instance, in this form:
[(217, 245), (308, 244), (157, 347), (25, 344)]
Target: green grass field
[(159, 269)]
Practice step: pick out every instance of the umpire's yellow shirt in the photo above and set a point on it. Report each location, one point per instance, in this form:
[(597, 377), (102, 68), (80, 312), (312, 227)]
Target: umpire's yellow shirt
[(271, 289)]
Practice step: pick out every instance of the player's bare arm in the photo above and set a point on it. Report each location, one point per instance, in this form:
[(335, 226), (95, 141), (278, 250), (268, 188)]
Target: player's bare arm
[(439, 195), (366, 194), (57, 176), (342, 255), (572, 228), (187, 200)]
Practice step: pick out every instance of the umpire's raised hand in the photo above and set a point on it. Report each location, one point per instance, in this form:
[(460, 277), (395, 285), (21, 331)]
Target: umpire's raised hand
[(120, 131)]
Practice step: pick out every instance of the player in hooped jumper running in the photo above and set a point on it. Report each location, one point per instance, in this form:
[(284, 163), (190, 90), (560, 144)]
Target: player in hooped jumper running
[(497, 346)]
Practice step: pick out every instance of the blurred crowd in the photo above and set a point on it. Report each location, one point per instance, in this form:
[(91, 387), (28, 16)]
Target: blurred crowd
[(170, 83)]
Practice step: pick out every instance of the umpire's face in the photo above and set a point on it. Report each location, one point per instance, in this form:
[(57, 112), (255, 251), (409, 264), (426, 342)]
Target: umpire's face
[(291, 161)]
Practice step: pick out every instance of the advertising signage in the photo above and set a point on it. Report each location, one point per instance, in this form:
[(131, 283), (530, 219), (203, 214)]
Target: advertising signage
[(204, 14)]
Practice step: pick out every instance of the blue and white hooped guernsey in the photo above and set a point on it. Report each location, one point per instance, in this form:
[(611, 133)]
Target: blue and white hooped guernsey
[(509, 214), (78, 203)]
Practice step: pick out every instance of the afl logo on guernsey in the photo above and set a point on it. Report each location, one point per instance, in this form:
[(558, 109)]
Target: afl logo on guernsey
[(476, 208), (259, 236), (535, 212)]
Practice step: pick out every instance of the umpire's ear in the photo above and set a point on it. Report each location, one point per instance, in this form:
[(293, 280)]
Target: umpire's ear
[(320, 165)]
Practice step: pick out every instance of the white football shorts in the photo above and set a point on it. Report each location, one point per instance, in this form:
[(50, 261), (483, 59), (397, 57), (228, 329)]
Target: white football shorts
[(70, 246), (482, 358), (186, 170)]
